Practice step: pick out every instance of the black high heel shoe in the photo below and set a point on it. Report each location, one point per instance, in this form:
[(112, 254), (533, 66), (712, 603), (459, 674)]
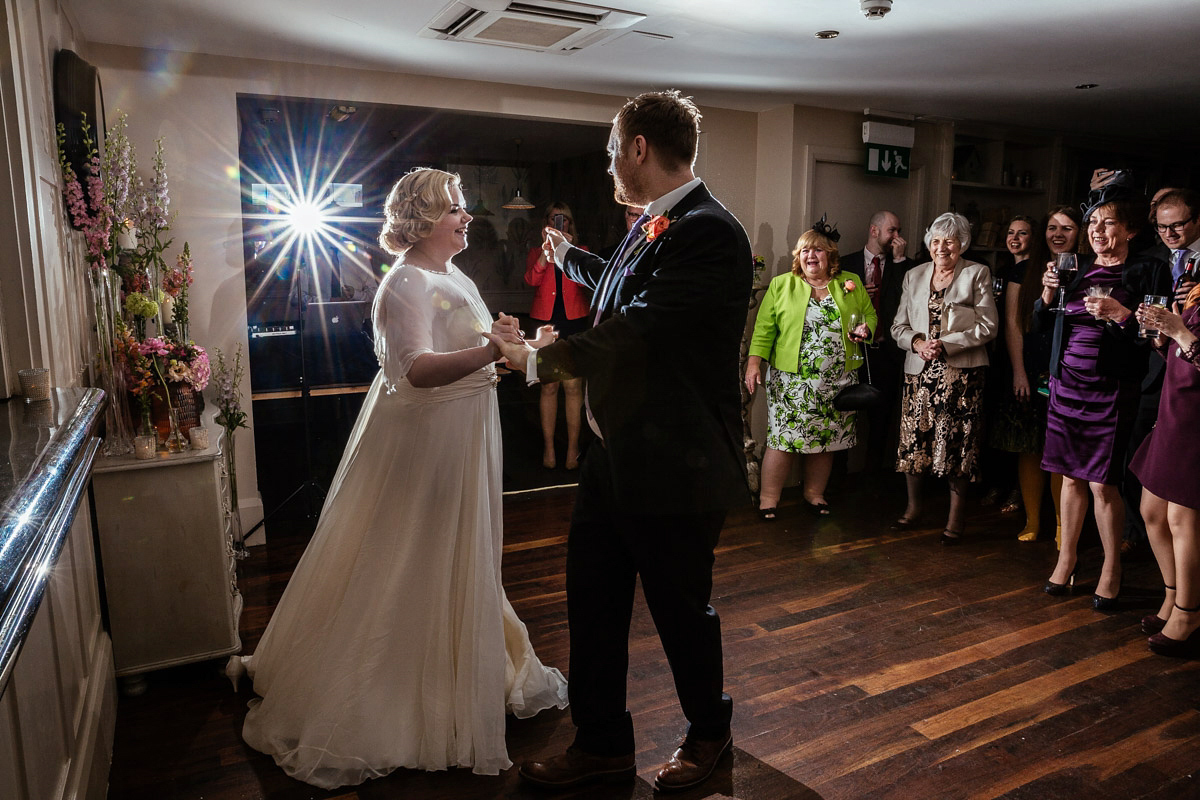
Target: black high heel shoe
[(1059, 589), (1180, 648), (951, 538), (1108, 604), (1152, 623)]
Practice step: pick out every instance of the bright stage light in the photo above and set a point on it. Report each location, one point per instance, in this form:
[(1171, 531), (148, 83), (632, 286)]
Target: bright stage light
[(306, 218)]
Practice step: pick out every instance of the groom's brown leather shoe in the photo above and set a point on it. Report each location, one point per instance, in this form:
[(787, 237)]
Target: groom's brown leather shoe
[(575, 767), (692, 763)]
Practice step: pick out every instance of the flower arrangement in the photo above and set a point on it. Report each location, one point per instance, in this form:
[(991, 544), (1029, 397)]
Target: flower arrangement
[(125, 222), (849, 286), (228, 380)]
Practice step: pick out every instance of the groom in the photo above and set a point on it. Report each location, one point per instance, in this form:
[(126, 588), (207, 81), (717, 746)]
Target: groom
[(661, 366)]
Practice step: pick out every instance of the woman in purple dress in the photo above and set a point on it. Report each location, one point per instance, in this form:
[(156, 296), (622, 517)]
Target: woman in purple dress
[(1168, 465), (1096, 366)]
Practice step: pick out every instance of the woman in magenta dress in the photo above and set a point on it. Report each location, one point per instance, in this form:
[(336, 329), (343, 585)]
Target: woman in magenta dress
[(1096, 367), (1168, 465)]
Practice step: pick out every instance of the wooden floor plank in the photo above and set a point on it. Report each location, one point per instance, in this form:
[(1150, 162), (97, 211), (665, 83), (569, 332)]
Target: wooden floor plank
[(864, 663)]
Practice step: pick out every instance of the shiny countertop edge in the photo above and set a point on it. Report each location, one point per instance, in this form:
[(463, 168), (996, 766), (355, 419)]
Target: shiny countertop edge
[(36, 520)]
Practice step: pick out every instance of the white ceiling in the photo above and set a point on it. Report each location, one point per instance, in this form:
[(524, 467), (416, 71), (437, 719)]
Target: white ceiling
[(1009, 61)]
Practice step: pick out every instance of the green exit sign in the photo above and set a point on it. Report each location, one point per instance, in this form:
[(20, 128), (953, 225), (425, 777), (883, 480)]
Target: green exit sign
[(883, 159)]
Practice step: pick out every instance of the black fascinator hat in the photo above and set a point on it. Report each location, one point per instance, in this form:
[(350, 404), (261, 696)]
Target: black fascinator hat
[(827, 230)]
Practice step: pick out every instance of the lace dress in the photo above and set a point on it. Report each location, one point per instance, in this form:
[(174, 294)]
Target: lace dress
[(394, 644)]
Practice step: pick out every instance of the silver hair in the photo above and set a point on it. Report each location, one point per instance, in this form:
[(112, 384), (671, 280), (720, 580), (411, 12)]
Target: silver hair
[(950, 224)]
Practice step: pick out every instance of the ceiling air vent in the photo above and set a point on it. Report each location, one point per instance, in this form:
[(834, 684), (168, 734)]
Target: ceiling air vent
[(551, 26)]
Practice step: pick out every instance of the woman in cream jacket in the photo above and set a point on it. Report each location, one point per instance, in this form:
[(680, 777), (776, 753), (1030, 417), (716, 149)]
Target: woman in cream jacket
[(947, 314)]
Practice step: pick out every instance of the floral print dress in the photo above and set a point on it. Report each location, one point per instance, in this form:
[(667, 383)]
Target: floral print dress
[(942, 414), (802, 418)]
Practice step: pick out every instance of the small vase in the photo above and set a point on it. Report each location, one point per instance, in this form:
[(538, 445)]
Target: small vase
[(175, 442)]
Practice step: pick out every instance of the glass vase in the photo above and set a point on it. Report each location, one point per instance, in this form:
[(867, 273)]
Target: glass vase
[(105, 288), (236, 534), (175, 442)]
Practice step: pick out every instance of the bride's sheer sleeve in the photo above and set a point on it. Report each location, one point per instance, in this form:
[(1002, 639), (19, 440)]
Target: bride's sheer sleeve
[(403, 321)]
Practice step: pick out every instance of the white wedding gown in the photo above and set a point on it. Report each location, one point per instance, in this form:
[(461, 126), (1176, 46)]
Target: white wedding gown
[(394, 644)]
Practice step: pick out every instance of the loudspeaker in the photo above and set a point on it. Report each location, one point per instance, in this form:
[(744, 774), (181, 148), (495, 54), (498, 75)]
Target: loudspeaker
[(275, 357), (338, 349)]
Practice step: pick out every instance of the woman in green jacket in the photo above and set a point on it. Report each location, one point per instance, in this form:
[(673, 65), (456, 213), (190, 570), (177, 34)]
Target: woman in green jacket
[(809, 329)]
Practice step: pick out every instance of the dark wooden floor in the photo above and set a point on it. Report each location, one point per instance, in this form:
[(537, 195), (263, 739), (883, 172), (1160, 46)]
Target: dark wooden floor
[(863, 663)]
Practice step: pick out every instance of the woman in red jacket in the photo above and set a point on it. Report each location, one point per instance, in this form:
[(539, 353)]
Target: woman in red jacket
[(561, 302)]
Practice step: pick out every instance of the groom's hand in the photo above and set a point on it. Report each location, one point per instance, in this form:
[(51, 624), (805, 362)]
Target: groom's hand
[(515, 353), (554, 237)]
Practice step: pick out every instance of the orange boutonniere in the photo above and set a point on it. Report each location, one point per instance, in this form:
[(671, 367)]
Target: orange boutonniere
[(849, 286), (655, 226)]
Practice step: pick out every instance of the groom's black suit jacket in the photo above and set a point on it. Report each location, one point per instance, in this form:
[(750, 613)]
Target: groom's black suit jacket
[(662, 366)]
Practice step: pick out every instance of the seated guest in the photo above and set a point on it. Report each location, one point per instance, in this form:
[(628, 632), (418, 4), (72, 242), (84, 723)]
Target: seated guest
[(946, 317), (1168, 465), (1096, 366), (808, 329)]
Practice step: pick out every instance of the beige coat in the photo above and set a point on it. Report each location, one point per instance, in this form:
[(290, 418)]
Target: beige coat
[(969, 316)]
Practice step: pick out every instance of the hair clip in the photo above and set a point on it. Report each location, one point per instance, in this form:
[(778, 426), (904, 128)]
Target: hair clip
[(831, 232)]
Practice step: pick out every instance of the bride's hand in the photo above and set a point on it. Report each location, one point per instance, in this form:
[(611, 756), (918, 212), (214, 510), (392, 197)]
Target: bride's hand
[(507, 328), (545, 335)]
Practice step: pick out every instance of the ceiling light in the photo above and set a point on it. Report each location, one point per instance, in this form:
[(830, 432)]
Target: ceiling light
[(518, 203), (1087, 86), (875, 9), (342, 113), (827, 34)]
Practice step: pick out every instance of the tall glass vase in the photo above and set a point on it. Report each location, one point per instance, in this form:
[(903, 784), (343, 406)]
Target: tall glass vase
[(236, 535), (105, 287)]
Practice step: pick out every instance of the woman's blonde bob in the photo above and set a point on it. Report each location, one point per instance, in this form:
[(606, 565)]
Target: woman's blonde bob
[(414, 206), (815, 240)]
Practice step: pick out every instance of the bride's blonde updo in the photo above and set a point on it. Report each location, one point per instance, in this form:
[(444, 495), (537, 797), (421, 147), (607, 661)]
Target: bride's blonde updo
[(416, 203)]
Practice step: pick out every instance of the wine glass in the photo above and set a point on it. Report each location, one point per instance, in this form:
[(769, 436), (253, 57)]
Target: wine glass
[(1154, 301), (998, 285), (1098, 291), (853, 320), (1065, 267)]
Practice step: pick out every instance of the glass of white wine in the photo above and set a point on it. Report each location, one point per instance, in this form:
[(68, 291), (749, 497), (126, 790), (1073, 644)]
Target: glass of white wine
[(1098, 291), (1154, 301)]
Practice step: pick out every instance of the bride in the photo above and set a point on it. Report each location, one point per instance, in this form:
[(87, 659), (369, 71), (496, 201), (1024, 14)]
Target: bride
[(394, 644)]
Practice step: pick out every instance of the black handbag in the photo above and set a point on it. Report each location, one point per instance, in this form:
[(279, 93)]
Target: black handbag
[(860, 396)]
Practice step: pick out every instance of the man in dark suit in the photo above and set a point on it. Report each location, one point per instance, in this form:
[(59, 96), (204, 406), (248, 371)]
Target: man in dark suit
[(882, 265), (661, 365)]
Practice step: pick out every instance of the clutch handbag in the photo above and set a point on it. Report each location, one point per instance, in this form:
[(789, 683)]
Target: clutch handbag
[(859, 396)]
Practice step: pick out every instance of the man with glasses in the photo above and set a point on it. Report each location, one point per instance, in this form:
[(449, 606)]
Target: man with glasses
[(1176, 218)]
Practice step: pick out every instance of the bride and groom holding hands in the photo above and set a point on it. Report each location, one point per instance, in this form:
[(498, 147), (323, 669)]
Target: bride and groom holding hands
[(394, 644)]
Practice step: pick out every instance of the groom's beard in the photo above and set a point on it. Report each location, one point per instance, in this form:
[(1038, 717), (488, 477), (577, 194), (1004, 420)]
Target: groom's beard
[(628, 190)]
